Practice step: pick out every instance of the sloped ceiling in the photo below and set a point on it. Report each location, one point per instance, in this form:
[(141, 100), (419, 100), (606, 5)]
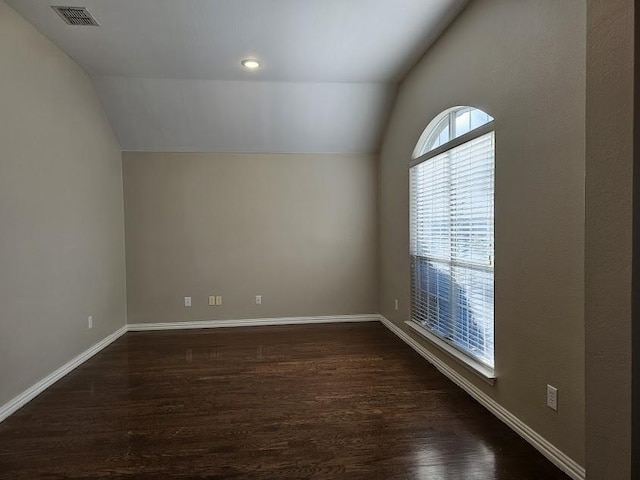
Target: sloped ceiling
[(169, 76)]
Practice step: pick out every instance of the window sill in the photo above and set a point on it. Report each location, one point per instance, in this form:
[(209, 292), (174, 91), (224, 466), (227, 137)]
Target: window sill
[(485, 373)]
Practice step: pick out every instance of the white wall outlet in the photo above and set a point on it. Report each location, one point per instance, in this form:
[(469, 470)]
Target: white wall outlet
[(552, 397), (395, 302), (258, 299), (187, 301), (90, 321), (218, 299), (212, 300)]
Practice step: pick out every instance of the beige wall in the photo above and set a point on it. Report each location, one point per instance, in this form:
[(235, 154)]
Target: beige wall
[(523, 63), (61, 211), (608, 241), (300, 230)]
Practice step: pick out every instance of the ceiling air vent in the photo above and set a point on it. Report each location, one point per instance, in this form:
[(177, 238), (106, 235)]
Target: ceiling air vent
[(76, 15)]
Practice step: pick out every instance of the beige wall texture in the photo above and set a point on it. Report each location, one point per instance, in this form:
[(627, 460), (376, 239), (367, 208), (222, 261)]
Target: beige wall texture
[(524, 64), (608, 241), (61, 210), (300, 230)]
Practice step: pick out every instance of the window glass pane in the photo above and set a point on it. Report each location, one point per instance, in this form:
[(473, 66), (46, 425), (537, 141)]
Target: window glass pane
[(473, 306), (463, 122), (444, 136), (430, 185), (432, 299), (471, 201), (478, 118)]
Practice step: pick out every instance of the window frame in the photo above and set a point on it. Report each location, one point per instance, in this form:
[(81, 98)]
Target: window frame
[(477, 366)]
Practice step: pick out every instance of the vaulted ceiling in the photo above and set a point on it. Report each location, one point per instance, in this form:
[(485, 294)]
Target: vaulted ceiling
[(169, 76)]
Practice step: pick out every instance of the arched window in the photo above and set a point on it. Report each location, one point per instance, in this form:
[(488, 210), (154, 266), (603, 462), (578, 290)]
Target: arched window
[(452, 235), (450, 124)]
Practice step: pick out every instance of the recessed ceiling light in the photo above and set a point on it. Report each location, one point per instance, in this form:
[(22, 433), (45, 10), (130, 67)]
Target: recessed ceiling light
[(250, 63)]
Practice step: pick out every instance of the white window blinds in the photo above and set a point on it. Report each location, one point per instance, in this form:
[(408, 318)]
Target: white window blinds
[(452, 246)]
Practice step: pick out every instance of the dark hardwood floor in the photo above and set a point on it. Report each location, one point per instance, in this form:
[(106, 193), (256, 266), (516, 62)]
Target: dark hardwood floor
[(335, 401)]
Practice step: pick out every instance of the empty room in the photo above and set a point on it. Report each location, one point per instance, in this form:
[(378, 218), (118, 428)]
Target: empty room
[(318, 239)]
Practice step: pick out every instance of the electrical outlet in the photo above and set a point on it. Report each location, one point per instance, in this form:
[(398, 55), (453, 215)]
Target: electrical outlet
[(396, 303), (258, 299), (90, 321), (219, 300), (212, 300), (552, 397), (187, 301)]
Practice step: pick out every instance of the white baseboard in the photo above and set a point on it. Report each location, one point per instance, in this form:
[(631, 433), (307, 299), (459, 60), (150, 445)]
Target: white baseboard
[(252, 322), (557, 457), (25, 397)]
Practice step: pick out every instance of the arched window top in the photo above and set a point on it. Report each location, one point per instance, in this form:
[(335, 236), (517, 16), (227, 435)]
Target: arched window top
[(448, 125)]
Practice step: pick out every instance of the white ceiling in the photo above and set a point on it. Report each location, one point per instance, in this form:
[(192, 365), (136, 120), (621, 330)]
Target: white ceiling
[(168, 71)]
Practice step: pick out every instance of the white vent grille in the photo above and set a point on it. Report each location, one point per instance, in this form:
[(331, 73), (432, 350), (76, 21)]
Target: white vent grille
[(76, 16)]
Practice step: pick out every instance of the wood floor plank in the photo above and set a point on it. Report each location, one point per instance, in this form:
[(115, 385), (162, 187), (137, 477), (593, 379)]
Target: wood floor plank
[(334, 401)]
